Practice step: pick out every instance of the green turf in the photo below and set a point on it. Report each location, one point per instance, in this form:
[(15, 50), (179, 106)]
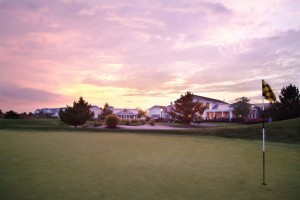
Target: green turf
[(31, 123), (93, 165)]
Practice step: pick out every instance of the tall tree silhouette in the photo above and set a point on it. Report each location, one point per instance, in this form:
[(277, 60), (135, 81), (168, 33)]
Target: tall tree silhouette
[(185, 108), (288, 106), (78, 114)]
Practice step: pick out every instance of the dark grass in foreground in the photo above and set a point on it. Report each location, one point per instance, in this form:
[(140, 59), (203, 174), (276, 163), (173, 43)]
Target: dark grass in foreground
[(287, 131), (32, 123), (97, 165)]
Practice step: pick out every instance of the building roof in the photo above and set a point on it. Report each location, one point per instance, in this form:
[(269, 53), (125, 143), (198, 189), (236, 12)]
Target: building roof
[(157, 106), (211, 99), (93, 106), (125, 111), (260, 105), (169, 108), (222, 107)]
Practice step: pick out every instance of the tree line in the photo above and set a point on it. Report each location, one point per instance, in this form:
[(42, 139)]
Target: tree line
[(80, 112), (287, 106), (14, 115), (185, 109)]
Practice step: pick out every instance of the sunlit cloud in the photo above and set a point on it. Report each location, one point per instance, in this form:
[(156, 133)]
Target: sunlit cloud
[(141, 53)]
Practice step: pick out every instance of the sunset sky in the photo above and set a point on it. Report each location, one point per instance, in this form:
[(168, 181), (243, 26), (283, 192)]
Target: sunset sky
[(140, 53)]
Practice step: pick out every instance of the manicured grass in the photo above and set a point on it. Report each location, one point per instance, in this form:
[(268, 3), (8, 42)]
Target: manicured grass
[(32, 123), (97, 165)]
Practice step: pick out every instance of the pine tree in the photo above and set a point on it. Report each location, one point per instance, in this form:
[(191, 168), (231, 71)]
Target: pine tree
[(78, 114), (105, 111), (241, 107), (288, 106), (185, 108)]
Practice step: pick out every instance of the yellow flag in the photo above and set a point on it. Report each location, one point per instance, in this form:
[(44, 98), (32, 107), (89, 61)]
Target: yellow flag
[(267, 92)]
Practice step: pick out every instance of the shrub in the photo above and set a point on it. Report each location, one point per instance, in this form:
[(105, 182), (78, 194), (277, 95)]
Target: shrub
[(222, 119), (159, 120), (177, 121), (134, 121), (85, 125), (125, 122), (151, 122), (111, 121), (238, 120), (255, 121), (97, 123)]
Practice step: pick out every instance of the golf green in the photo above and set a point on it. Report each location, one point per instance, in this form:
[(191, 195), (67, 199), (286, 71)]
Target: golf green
[(92, 165)]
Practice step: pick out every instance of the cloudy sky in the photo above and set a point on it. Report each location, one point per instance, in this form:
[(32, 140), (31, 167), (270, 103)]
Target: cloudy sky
[(138, 53)]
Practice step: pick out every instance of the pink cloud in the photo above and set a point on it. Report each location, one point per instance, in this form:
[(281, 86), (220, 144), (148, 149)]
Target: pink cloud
[(142, 48)]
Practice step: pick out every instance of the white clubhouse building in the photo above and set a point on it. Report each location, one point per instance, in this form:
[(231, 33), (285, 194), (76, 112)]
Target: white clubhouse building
[(215, 109)]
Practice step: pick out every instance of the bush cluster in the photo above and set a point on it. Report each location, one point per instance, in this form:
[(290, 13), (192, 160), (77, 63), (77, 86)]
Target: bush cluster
[(111, 121), (255, 121), (97, 123), (132, 122), (222, 119)]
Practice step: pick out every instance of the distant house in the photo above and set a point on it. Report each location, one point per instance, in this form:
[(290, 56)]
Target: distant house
[(48, 112), (256, 110), (54, 112), (156, 112), (125, 113), (97, 110), (214, 108)]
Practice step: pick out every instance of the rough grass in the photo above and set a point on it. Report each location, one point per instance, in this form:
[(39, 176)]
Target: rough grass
[(284, 131), (97, 165)]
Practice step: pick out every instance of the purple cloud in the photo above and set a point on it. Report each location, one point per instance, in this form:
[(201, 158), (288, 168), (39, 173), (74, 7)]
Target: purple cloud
[(12, 92), (159, 48)]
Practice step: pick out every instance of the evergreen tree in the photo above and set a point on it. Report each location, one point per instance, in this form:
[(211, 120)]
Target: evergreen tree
[(185, 108), (105, 111), (288, 106), (78, 114), (11, 115), (241, 107)]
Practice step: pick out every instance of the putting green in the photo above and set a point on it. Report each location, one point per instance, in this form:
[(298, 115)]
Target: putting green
[(91, 165)]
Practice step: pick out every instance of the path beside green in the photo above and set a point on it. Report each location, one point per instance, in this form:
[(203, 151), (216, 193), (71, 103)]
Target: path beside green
[(95, 165)]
